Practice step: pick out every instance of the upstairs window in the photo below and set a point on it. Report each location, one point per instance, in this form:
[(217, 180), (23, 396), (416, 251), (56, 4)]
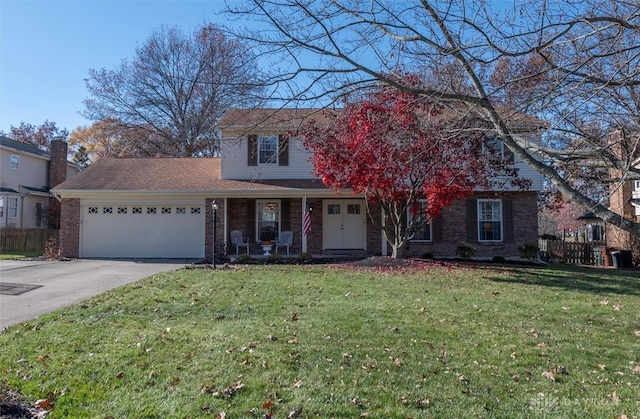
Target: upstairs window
[(15, 162), (267, 150), (493, 147), (637, 185)]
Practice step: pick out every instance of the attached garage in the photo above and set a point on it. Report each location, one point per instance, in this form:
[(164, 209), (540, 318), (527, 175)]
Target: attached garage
[(142, 230), (139, 208)]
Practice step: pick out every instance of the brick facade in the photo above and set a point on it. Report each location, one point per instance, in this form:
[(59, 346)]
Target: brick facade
[(455, 226), (70, 228)]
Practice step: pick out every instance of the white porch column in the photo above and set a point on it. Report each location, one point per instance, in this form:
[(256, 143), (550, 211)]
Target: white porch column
[(224, 224), (304, 236)]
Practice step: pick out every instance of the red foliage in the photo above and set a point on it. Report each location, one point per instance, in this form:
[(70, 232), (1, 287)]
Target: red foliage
[(395, 146)]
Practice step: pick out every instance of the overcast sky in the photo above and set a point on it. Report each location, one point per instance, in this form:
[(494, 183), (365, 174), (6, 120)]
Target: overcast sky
[(48, 46)]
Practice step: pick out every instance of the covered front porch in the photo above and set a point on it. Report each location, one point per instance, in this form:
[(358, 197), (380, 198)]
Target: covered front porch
[(315, 226)]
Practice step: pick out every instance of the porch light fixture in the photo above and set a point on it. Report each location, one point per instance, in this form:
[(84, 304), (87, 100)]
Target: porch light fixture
[(214, 207)]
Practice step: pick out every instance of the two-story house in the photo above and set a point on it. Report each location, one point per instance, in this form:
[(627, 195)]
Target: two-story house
[(263, 185), (624, 199), (26, 176)]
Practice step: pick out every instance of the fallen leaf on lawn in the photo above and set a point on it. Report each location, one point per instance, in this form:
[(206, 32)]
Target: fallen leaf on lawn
[(297, 384), (229, 391), (617, 307), (295, 413), (637, 369), (549, 375), (614, 397), (267, 405), (637, 333), (398, 362), (602, 367), (44, 404), (221, 415), (604, 302)]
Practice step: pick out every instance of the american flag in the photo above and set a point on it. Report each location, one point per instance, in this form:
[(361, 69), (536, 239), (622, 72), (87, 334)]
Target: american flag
[(306, 225)]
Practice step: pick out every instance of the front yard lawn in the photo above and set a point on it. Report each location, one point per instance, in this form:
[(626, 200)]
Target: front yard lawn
[(431, 340)]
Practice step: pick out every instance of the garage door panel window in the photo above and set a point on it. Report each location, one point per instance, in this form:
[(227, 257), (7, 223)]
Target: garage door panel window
[(93, 210), (195, 210), (122, 210), (151, 210), (107, 210), (166, 210), (181, 210), (136, 210)]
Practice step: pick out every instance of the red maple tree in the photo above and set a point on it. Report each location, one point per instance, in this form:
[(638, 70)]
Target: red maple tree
[(397, 148)]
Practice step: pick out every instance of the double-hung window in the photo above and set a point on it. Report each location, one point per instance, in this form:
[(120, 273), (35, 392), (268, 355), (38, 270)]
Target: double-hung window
[(267, 149), (637, 185), (493, 147), (490, 223), (417, 214), (12, 210), (14, 162)]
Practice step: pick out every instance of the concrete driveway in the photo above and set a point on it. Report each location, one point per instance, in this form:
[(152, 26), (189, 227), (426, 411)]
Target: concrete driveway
[(29, 289)]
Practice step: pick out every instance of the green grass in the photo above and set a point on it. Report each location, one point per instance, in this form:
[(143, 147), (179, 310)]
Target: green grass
[(25, 254), (340, 342)]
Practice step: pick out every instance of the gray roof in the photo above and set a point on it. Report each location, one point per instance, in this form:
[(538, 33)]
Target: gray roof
[(20, 146)]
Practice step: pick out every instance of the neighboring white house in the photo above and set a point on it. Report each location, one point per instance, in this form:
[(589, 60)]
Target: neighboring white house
[(26, 176)]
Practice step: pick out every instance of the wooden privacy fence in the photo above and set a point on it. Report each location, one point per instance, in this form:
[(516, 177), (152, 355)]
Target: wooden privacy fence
[(570, 252), (20, 239)]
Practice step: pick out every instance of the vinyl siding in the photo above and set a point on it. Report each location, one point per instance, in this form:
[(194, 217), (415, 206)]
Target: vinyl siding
[(234, 164)]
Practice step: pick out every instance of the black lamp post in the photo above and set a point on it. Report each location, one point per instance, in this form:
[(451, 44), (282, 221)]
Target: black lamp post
[(214, 206)]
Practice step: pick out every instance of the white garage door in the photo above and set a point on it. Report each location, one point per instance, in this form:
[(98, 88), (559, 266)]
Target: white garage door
[(142, 231)]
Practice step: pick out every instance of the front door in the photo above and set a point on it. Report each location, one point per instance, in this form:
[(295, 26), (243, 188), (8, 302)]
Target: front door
[(344, 224)]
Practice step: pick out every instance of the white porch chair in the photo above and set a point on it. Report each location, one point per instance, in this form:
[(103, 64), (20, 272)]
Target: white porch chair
[(238, 241), (285, 240)]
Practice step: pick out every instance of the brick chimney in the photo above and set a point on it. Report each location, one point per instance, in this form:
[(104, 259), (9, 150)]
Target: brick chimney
[(58, 162), (57, 175)]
